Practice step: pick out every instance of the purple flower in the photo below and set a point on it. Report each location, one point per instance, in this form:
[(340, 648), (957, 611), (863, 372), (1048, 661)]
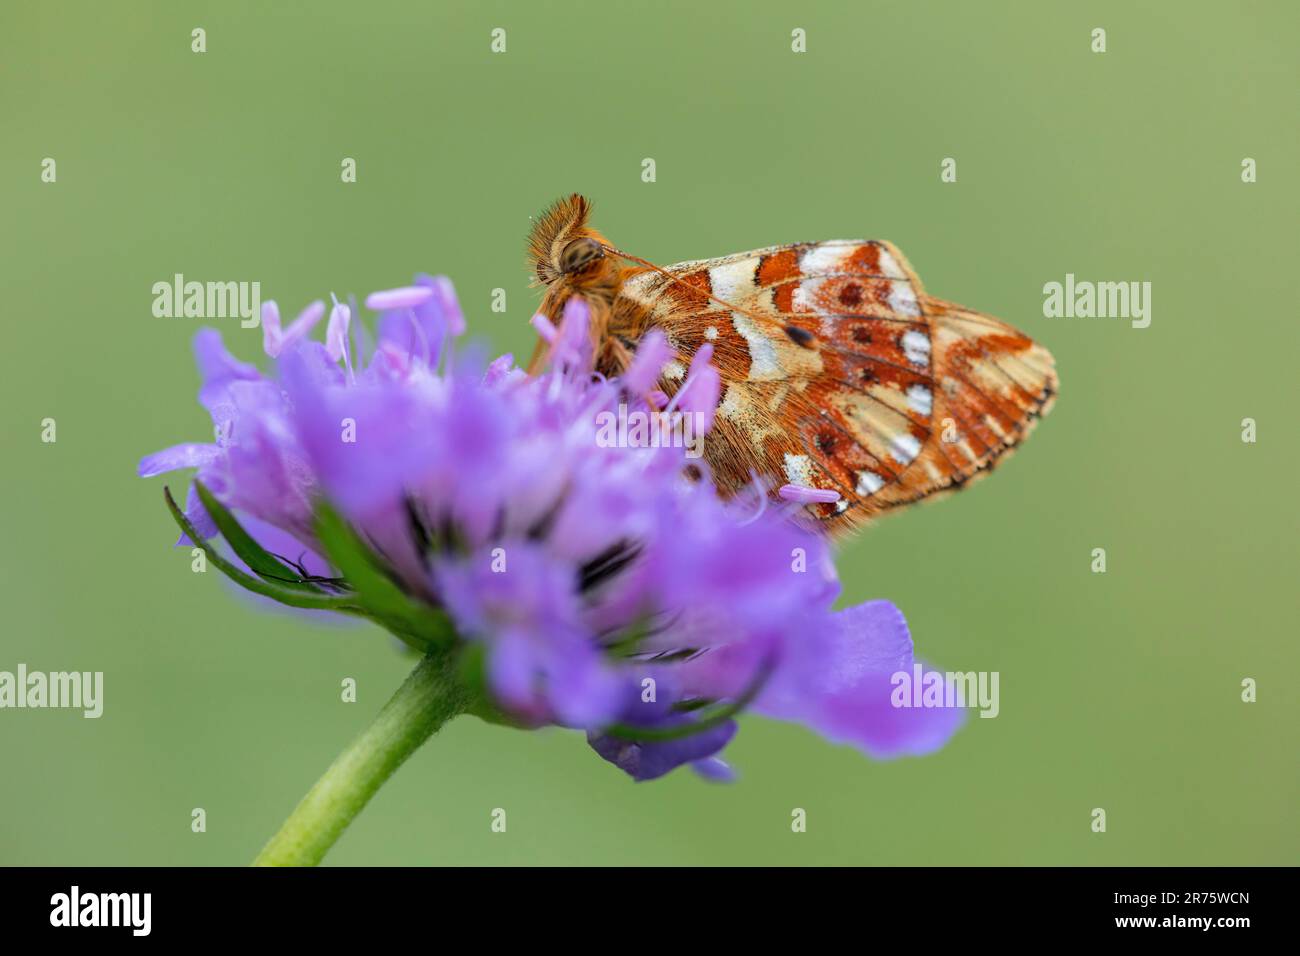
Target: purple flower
[(604, 588), (646, 759)]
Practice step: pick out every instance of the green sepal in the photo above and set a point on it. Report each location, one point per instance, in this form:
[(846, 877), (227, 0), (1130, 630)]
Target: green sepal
[(294, 597), (415, 622), (262, 562)]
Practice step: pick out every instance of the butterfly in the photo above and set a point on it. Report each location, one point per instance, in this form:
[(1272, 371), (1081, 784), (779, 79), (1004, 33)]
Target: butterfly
[(839, 372)]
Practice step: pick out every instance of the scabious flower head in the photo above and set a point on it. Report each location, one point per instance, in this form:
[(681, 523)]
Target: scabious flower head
[(599, 586)]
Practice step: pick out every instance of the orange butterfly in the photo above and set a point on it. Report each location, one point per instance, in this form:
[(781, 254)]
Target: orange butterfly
[(838, 371)]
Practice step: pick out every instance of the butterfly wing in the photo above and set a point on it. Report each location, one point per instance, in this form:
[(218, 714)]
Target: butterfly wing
[(840, 372)]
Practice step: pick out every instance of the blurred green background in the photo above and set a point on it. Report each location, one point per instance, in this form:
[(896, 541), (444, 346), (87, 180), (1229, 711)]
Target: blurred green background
[(1119, 691)]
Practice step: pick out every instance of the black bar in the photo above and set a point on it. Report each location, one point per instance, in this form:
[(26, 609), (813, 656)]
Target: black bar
[(442, 905)]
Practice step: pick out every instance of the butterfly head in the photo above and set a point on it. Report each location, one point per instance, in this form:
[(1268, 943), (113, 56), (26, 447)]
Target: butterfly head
[(570, 258)]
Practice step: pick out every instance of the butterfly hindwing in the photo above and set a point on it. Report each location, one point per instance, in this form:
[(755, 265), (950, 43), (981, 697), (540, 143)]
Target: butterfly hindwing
[(840, 373)]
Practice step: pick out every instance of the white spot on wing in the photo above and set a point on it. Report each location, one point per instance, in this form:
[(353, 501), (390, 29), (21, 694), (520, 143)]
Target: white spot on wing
[(732, 403), (889, 265), (824, 257), (905, 448), (919, 399), (711, 332), (807, 294), (733, 280), (674, 369), (902, 299), (763, 361), (916, 346), (803, 299), (798, 470), (869, 483)]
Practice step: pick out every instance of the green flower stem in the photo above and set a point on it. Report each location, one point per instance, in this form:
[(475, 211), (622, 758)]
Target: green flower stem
[(429, 697)]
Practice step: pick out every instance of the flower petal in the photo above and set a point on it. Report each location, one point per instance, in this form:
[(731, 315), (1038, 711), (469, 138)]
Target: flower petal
[(699, 395), (573, 344), (806, 496), (336, 333), (216, 365), (544, 328), (652, 354), (301, 326), (840, 684), (649, 760), (271, 333), (406, 297), (444, 295), (189, 455)]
